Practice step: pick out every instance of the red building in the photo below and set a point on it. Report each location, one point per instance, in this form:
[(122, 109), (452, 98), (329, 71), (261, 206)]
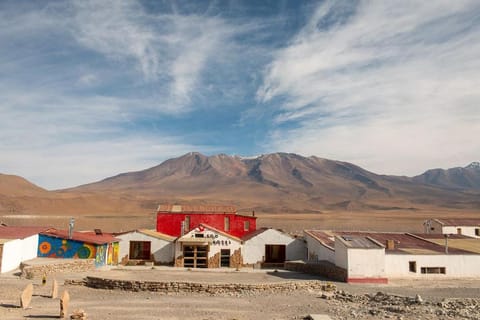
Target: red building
[(171, 219)]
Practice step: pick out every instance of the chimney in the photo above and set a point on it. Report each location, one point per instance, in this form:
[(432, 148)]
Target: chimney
[(70, 228), (390, 244)]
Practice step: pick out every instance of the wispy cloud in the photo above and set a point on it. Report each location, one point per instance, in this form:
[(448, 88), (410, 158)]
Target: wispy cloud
[(391, 87)]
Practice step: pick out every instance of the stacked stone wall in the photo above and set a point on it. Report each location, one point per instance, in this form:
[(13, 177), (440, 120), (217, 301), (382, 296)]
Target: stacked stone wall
[(321, 268), (192, 287), (214, 262), (236, 259), (75, 265)]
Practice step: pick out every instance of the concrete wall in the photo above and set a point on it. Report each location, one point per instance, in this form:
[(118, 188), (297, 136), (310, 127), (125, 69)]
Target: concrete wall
[(317, 251), (17, 251), (254, 248), (360, 262), (341, 255), (162, 250), (432, 226), (366, 263), (465, 230), (397, 265)]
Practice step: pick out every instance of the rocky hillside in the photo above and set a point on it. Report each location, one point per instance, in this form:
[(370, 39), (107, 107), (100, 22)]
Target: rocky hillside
[(281, 182)]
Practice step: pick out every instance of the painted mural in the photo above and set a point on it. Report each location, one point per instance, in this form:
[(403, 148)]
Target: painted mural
[(62, 248), (100, 258)]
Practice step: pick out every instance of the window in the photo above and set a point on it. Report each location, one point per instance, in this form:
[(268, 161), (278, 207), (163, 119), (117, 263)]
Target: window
[(187, 223), (459, 230), (139, 250), (437, 270), (226, 226), (412, 266), (246, 225), (477, 232)]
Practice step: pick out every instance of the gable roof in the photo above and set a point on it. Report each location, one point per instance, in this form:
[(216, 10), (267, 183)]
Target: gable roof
[(88, 237), (325, 238), (223, 233), (459, 222), (11, 232), (257, 232), (175, 208)]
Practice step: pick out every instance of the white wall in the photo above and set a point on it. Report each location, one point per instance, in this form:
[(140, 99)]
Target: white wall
[(317, 251), (360, 262), (396, 265), (162, 250), (366, 263), (466, 230), (17, 251), (254, 248), (341, 255)]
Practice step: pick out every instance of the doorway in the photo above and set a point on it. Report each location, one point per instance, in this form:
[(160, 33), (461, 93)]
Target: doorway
[(275, 253), (195, 256), (225, 258)]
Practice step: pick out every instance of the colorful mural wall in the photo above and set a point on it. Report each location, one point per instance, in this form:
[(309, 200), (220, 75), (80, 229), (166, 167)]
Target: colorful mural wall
[(62, 248)]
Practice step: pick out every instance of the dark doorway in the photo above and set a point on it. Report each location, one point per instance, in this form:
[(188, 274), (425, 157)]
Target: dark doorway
[(139, 250), (225, 258), (195, 256), (275, 253)]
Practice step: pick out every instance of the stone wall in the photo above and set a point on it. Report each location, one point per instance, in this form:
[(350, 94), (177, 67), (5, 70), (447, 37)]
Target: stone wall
[(236, 259), (214, 262), (191, 287), (74, 265), (321, 268), (179, 261)]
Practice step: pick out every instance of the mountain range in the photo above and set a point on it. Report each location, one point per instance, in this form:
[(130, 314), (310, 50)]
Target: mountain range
[(278, 182)]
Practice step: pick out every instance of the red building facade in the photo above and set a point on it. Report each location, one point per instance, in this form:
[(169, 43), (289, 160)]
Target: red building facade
[(172, 218)]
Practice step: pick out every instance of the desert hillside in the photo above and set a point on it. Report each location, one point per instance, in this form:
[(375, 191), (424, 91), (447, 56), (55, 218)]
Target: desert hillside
[(272, 183)]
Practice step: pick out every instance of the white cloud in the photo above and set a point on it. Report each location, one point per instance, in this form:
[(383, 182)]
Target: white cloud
[(393, 88), (170, 50)]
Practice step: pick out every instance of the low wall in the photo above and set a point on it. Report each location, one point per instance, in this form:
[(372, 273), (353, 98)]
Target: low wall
[(192, 287), (74, 265), (321, 268)]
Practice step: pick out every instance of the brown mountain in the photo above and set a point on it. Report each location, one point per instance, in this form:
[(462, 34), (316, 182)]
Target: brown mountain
[(279, 182), (455, 178)]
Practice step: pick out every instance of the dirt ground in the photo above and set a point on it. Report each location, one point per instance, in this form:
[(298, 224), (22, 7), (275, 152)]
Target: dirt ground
[(116, 304), (375, 220)]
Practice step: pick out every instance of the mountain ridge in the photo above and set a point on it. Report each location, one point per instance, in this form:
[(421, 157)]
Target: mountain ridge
[(276, 182)]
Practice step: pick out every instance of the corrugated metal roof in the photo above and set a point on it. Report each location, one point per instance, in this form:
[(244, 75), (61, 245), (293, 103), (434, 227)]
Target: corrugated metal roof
[(324, 237), (459, 222), (359, 242), (174, 208), (469, 244), (11, 232), (88, 237), (403, 242)]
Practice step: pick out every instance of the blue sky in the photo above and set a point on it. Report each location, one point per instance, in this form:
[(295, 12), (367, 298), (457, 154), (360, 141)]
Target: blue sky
[(90, 89)]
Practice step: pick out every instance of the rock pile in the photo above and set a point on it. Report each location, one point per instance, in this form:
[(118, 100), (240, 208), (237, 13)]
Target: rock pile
[(386, 306)]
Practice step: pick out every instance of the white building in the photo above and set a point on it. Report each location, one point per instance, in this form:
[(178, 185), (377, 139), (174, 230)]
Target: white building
[(146, 245), (267, 245), (375, 256), (362, 257), (207, 247), (17, 244), (467, 227)]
